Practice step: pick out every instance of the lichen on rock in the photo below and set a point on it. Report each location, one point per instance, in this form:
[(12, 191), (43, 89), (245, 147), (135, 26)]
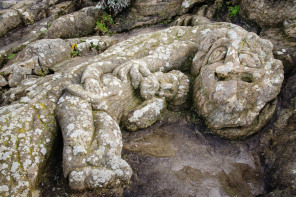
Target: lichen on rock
[(130, 84)]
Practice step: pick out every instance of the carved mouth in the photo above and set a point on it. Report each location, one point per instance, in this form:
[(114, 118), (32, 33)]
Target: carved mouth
[(246, 77)]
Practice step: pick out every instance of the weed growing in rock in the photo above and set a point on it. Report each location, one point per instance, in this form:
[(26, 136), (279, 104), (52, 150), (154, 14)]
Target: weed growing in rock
[(92, 45), (232, 10), (10, 56), (103, 24), (74, 51)]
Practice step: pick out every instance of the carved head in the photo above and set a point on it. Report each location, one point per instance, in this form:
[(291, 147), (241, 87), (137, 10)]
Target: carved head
[(237, 81)]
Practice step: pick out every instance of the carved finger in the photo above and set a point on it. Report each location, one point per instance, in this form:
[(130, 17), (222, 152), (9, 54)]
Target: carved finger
[(187, 21), (144, 71), (91, 72), (92, 85), (136, 76), (79, 91), (122, 72)]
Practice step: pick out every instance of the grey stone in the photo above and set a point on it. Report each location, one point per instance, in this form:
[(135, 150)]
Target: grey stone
[(3, 81), (290, 28), (91, 95), (267, 13), (37, 58), (187, 4), (279, 154), (284, 48), (237, 83), (191, 20), (10, 19), (147, 12), (80, 23), (31, 11)]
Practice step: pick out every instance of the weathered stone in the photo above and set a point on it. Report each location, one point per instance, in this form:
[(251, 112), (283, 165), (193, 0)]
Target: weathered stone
[(8, 4), (38, 58), (284, 48), (9, 19), (93, 45), (280, 153), (28, 131), (191, 20), (267, 13), (97, 94), (31, 11), (147, 12), (3, 81), (237, 83), (187, 4), (62, 8), (80, 23), (17, 39), (290, 28)]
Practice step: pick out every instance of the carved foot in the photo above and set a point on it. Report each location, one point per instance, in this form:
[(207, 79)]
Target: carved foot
[(118, 173)]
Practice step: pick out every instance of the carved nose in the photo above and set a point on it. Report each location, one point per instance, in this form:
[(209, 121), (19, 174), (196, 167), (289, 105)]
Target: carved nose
[(223, 72), (232, 56), (228, 71)]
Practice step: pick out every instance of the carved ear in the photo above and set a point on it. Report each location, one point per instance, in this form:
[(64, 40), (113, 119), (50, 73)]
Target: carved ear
[(197, 62)]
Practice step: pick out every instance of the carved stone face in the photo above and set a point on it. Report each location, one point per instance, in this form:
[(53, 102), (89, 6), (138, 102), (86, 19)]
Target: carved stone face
[(238, 79)]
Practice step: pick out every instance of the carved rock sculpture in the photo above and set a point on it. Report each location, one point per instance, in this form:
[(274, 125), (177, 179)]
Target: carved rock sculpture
[(130, 84), (238, 80)]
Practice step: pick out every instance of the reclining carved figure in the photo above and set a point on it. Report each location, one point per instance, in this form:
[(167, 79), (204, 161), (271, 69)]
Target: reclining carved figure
[(236, 81)]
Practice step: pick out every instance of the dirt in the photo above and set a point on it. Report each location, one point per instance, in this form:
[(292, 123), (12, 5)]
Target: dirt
[(178, 156)]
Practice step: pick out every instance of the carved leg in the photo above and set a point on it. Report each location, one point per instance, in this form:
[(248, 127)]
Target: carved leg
[(106, 152), (92, 146), (76, 122)]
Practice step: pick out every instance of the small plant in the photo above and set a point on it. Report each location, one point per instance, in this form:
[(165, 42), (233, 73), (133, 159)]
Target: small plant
[(10, 56), (194, 116), (103, 24), (233, 10), (43, 30), (42, 74), (74, 51), (92, 45)]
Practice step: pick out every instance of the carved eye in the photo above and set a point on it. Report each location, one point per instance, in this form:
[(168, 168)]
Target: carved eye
[(250, 60), (217, 55)]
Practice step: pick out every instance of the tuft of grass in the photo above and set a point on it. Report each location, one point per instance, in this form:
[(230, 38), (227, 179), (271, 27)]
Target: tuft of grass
[(10, 56), (233, 11), (92, 45)]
